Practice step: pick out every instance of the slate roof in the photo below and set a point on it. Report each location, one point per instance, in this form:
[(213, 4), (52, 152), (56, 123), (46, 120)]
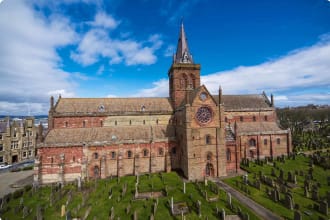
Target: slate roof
[(245, 128), (112, 105), (104, 135), (244, 102)]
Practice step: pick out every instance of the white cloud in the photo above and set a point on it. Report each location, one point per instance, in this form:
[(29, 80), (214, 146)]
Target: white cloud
[(104, 20), (96, 44), (159, 89), (111, 96), (29, 63), (170, 50)]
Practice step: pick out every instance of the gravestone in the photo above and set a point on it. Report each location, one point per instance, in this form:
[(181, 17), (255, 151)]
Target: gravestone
[(171, 204), (79, 183), (223, 214), (306, 193), (199, 204), (289, 201), (25, 211), (281, 174), (68, 215), (184, 187), (324, 207), (273, 172), (315, 194), (135, 216), (62, 210), (39, 215), (297, 215), (290, 177), (229, 199), (275, 195)]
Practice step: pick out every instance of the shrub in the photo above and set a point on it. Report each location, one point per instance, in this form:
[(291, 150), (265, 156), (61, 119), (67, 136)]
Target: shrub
[(18, 193)]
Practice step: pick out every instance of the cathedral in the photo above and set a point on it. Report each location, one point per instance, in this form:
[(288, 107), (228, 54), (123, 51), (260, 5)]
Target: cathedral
[(198, 134)]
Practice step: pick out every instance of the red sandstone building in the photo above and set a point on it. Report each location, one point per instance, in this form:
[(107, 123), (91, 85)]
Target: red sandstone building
[(192, 131)]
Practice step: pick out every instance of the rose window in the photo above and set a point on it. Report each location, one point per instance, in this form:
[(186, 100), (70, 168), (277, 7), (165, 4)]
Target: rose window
[(204, 115)]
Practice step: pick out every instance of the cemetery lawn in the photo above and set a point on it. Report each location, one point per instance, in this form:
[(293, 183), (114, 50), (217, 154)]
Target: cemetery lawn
[(97, 197), (299, 166)]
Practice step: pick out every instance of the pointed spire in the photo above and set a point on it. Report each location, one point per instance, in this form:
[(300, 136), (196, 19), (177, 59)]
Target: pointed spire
[(182, 51)]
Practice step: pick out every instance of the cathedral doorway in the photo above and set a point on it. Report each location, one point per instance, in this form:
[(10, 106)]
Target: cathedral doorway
[(209, 170)]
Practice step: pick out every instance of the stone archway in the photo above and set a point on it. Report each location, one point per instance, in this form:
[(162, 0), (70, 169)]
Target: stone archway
[(209, 169), (96, 172)]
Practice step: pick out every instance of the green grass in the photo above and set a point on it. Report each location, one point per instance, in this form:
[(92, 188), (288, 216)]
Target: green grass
[(100, 203), (305, 204)]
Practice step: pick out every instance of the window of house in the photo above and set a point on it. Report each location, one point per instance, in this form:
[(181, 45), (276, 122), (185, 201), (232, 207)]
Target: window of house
[(241, 118), (52, 160), (30, 143), (30, 133), (226, 119), (208, 139), (160, 151), (101, 123), (144, 122), (228, 154), (157, 121), (115, 122), (66, 124), (278, 141), (14, 145), (0, 136), (30, 153), (130, 122), (113, 155), (1, 159), (25, 144), (145, 152), (96, 155), (129, 154), (252, 142), (84, 123), (174, 150), (254, 118), (266, 118), (1, 147), (24, 154), (74, 159), (265, 141)]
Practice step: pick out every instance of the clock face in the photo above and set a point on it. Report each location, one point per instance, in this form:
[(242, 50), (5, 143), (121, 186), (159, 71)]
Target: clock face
[(204, 115), (203, 96)]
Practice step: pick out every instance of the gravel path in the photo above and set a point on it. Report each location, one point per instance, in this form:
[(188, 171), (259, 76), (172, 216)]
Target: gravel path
[(258, 209)]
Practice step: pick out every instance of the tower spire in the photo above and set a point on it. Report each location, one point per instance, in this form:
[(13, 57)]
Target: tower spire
[(182, 51)]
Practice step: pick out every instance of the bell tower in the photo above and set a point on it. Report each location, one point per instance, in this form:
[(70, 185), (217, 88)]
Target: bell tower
[(184, 74)]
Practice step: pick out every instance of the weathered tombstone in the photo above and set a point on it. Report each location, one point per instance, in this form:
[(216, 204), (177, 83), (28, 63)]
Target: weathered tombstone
[(135, 215), (324, 207), (223, 214), (39, 213), (297, 215), (136, 190), (295, 179), (273, 172), (289, 201), (199, 204), (229, 199), (128, 209), (172, 204), (25, 211), (184, 187), (112, 213), (275, 195), (152, 217), (62, 210), (306, 193), (79, 183), (68, 215), (315, 194), (290, 178)]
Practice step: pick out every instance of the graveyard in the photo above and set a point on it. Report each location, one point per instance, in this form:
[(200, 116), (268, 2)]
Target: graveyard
[(148, 196), (295, 187)]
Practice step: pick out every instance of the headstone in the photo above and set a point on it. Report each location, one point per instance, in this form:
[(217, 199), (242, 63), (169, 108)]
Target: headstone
[(223, 214), (281, 174), (39, 213), (199, 204), (136, 190), (68, 215), (172, 204), (205, 181), (229, 199), (184, 187), (289, 201), (290, 178), (62, 210), (306, 193), (324, 207), (25, 211), (275, 195), (315, 194), (273, 172), (297, 215), (79, 183), (135, 216)]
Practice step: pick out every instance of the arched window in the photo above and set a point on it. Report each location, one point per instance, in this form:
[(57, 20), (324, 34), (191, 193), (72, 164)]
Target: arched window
[(209, 156), (96, 155), (74, 159), (228, 154), (113, 155), (208, 139), (160, 151), (266, 118), (101, 123), (84, 124), (193, 81), (144, 122), (130, 122), (145, 152), (254, 118), (226, 119), (185, 79), (265, 141), (241, 118), (252, 142), (115, 122), (66, 124), (129, 154), (278, 141)]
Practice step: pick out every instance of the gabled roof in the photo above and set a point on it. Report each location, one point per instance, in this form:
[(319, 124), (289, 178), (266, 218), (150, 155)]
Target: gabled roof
[(113, 105), (250, 128), (107, 135), (244, 102), (194, 93)]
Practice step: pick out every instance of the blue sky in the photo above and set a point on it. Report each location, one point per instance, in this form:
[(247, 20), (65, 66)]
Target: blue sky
[(124, 48)]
